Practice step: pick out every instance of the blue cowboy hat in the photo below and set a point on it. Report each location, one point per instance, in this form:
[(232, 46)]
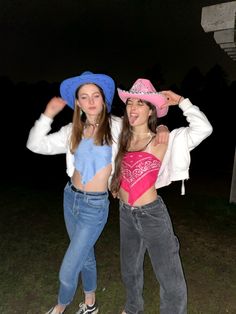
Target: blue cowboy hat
[(69, 86)]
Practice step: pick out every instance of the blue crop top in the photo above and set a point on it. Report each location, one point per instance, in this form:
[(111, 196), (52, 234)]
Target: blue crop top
[(90, 158)]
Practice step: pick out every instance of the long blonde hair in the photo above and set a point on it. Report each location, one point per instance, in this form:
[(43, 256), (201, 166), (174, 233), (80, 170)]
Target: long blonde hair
[(124, 143), (103, 134)]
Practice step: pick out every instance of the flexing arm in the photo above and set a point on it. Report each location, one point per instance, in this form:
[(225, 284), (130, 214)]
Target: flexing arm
[(39, 141), (199, 127)]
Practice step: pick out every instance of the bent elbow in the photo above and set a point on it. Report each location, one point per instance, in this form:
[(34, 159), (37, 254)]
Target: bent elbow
[(209, 130), (31, 146)]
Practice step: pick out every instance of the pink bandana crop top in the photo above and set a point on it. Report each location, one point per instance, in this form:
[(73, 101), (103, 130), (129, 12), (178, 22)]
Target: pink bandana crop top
[(139, 171)]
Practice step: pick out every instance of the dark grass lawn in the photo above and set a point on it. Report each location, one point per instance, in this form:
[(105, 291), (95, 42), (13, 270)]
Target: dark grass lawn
[(33, 241)]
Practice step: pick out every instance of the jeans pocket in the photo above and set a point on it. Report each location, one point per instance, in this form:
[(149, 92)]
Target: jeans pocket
[(97, 202)]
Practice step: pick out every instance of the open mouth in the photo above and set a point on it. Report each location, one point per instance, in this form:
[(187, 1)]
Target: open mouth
[(132, 118)]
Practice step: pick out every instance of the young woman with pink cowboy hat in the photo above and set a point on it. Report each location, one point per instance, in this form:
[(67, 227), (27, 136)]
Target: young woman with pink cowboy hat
[(90, 145), (140, 169)]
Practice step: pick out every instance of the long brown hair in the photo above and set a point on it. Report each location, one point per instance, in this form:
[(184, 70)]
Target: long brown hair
[(124, 143), (103, 134)]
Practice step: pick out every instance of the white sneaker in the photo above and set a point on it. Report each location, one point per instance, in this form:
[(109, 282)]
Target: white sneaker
[(86, 309)]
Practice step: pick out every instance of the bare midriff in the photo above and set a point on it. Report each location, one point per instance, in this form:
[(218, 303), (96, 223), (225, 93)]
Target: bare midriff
[(98, 183), (147, 197)]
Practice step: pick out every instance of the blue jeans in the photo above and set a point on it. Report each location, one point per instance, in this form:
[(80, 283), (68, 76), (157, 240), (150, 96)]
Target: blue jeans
[(85, 217), (149, 228)]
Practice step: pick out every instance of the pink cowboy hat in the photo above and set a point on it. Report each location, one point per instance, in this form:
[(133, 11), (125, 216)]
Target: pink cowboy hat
[(144, 90)]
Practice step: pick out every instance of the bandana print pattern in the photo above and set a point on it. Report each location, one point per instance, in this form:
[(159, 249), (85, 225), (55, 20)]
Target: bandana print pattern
[(135, 171), (139, 172)]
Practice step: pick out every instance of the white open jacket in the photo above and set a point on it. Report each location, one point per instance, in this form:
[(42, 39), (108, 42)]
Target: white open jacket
[(175, 165)]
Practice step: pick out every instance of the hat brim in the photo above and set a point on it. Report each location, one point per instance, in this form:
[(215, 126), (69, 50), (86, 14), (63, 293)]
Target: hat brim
[(69, 86), (157, 99)]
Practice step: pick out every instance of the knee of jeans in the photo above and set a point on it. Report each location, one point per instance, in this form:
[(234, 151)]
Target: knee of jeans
[(178, 292), (66, 278), (90, 265), (66, 283)]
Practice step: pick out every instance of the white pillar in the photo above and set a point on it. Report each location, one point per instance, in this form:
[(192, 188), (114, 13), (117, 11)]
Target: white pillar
[(220, 19)]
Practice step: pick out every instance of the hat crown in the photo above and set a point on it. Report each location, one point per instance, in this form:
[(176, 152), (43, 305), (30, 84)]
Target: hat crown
[(144, 90), (143, 86), (86, 73), (69, 86)]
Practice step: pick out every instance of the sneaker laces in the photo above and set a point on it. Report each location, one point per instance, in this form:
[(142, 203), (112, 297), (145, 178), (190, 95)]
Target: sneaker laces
[(82, 307)]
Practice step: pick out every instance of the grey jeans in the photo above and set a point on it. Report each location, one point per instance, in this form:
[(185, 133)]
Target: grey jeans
[(149, 228)]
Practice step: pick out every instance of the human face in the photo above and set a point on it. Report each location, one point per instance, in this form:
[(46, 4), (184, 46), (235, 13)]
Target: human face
[(138, 112), (90, 100)]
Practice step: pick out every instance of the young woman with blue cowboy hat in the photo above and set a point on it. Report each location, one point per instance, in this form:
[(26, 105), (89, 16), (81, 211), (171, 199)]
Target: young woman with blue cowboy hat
[(90, 145), (140, 169)]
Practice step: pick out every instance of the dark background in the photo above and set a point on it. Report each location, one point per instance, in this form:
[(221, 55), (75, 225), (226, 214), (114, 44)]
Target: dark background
[(54, 39), (44, 42)]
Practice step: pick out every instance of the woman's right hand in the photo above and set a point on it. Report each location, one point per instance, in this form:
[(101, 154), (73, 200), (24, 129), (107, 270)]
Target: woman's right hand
[(172, 98), (54, 106), (115, 194)]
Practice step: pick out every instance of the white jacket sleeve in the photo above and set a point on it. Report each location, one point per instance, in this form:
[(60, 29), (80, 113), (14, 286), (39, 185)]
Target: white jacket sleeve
[(175, 165), (39, 141), (199, 127)]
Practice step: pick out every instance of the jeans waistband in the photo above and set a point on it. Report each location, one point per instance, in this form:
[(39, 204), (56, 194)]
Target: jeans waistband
[(142, 207), (73, 188)]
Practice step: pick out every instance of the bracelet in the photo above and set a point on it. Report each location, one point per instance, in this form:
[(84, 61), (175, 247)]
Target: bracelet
[(161, 125)]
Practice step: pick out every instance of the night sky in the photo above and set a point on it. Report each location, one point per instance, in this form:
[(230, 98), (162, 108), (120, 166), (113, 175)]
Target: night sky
[(54, 39)]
